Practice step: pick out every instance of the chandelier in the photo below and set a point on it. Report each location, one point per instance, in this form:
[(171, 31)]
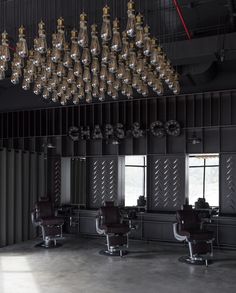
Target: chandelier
[(89, 67)]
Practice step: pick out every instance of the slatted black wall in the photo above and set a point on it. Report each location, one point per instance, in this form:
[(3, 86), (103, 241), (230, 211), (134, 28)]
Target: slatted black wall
[(211, 115), (21, 183), (166, 182), (102, 181)]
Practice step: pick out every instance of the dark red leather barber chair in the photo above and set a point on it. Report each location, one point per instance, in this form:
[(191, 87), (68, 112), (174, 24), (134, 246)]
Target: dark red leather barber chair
[(190, 228), (44, 216), (110, 223)]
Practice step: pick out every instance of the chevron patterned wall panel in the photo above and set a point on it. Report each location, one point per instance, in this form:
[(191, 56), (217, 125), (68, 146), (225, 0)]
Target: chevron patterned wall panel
[(166, 182), (102, 181), (228, 183)]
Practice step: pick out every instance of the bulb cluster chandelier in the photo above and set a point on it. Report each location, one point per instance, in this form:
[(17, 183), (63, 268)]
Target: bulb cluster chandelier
[(89, 67)]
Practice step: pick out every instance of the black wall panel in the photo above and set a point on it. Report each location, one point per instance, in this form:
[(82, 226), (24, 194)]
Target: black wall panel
[(20, 174), (166, 186), (102, 181), (228, 184)]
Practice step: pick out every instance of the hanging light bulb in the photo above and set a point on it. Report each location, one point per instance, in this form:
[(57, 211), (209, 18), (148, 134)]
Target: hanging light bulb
[(112, 65), (106, 25), (83, 31), (46, 94), (68, 93), (110, 78), (102, 86), (154, 52), (73, 89), (132, 61), (56, 55), (75, 99), (67, 61), (60, 35), (25, 85), (63, 100), (95, 81), (125, 47), (22, 48), (95, 46), (60, 70), (88, 87), (95, 66), (5, 53), (117, 84), (2, 75), (147, 44), (140, 63), (3, 65), (37, 59), (139, 86), (54, 81), (15, 78), (114, 94), (103, 72), (54, 96), (144, 74), (116, 39), (139, 37), (95, 92), (129, 92), (127, 76), (87, 75), (109, 89), (70, 76), (88, 98), (41, 43), (86, 57), (121, 70), (105, 53), (64, 84), (101, 96), (81, 93), (124, 89), (74, 52), (130, 28), (135, 80), (80, 82), (144, 90), (78, 71)]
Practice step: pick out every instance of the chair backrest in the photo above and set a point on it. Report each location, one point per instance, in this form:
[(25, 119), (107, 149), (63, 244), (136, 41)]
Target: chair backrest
[(44, 209), (110, 214), (188, 220)]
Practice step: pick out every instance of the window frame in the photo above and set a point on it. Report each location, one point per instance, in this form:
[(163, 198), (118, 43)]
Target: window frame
[(144, 167), (204, 166)]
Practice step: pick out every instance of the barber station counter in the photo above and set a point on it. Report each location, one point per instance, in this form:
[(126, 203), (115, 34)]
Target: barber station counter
[(151, 226)]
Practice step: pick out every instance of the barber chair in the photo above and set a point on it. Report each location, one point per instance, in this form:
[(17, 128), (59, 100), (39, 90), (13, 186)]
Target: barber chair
[(189, 228), (111, 224), (44, 216)]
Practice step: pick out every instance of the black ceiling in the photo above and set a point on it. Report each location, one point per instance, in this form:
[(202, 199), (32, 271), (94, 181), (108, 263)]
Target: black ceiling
[(211, 23)]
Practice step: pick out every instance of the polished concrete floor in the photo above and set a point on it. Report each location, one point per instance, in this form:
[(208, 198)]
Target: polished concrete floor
[(77, 267)]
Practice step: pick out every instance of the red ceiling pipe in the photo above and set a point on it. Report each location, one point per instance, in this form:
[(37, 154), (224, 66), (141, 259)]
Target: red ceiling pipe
[(182, 18)]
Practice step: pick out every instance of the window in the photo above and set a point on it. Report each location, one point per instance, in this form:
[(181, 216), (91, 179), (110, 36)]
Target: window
[(204, 178), (135, 179)]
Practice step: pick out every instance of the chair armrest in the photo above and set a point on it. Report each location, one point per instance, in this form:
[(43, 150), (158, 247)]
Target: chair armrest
[(180, 235), (98, 226), (34, 217)]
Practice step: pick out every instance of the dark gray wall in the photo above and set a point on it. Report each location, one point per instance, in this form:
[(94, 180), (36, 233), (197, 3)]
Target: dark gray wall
[(210, 115)]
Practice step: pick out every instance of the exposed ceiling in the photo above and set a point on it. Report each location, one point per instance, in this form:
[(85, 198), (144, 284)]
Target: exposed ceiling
[(206, 62)]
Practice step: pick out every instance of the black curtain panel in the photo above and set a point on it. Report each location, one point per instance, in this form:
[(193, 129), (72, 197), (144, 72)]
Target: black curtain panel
[(21, 184)]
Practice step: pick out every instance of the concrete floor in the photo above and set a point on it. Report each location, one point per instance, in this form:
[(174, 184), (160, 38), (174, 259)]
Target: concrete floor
[(77, 267)]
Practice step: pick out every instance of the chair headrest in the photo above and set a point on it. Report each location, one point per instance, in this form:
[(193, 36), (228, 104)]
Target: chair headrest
[(109, 204)]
